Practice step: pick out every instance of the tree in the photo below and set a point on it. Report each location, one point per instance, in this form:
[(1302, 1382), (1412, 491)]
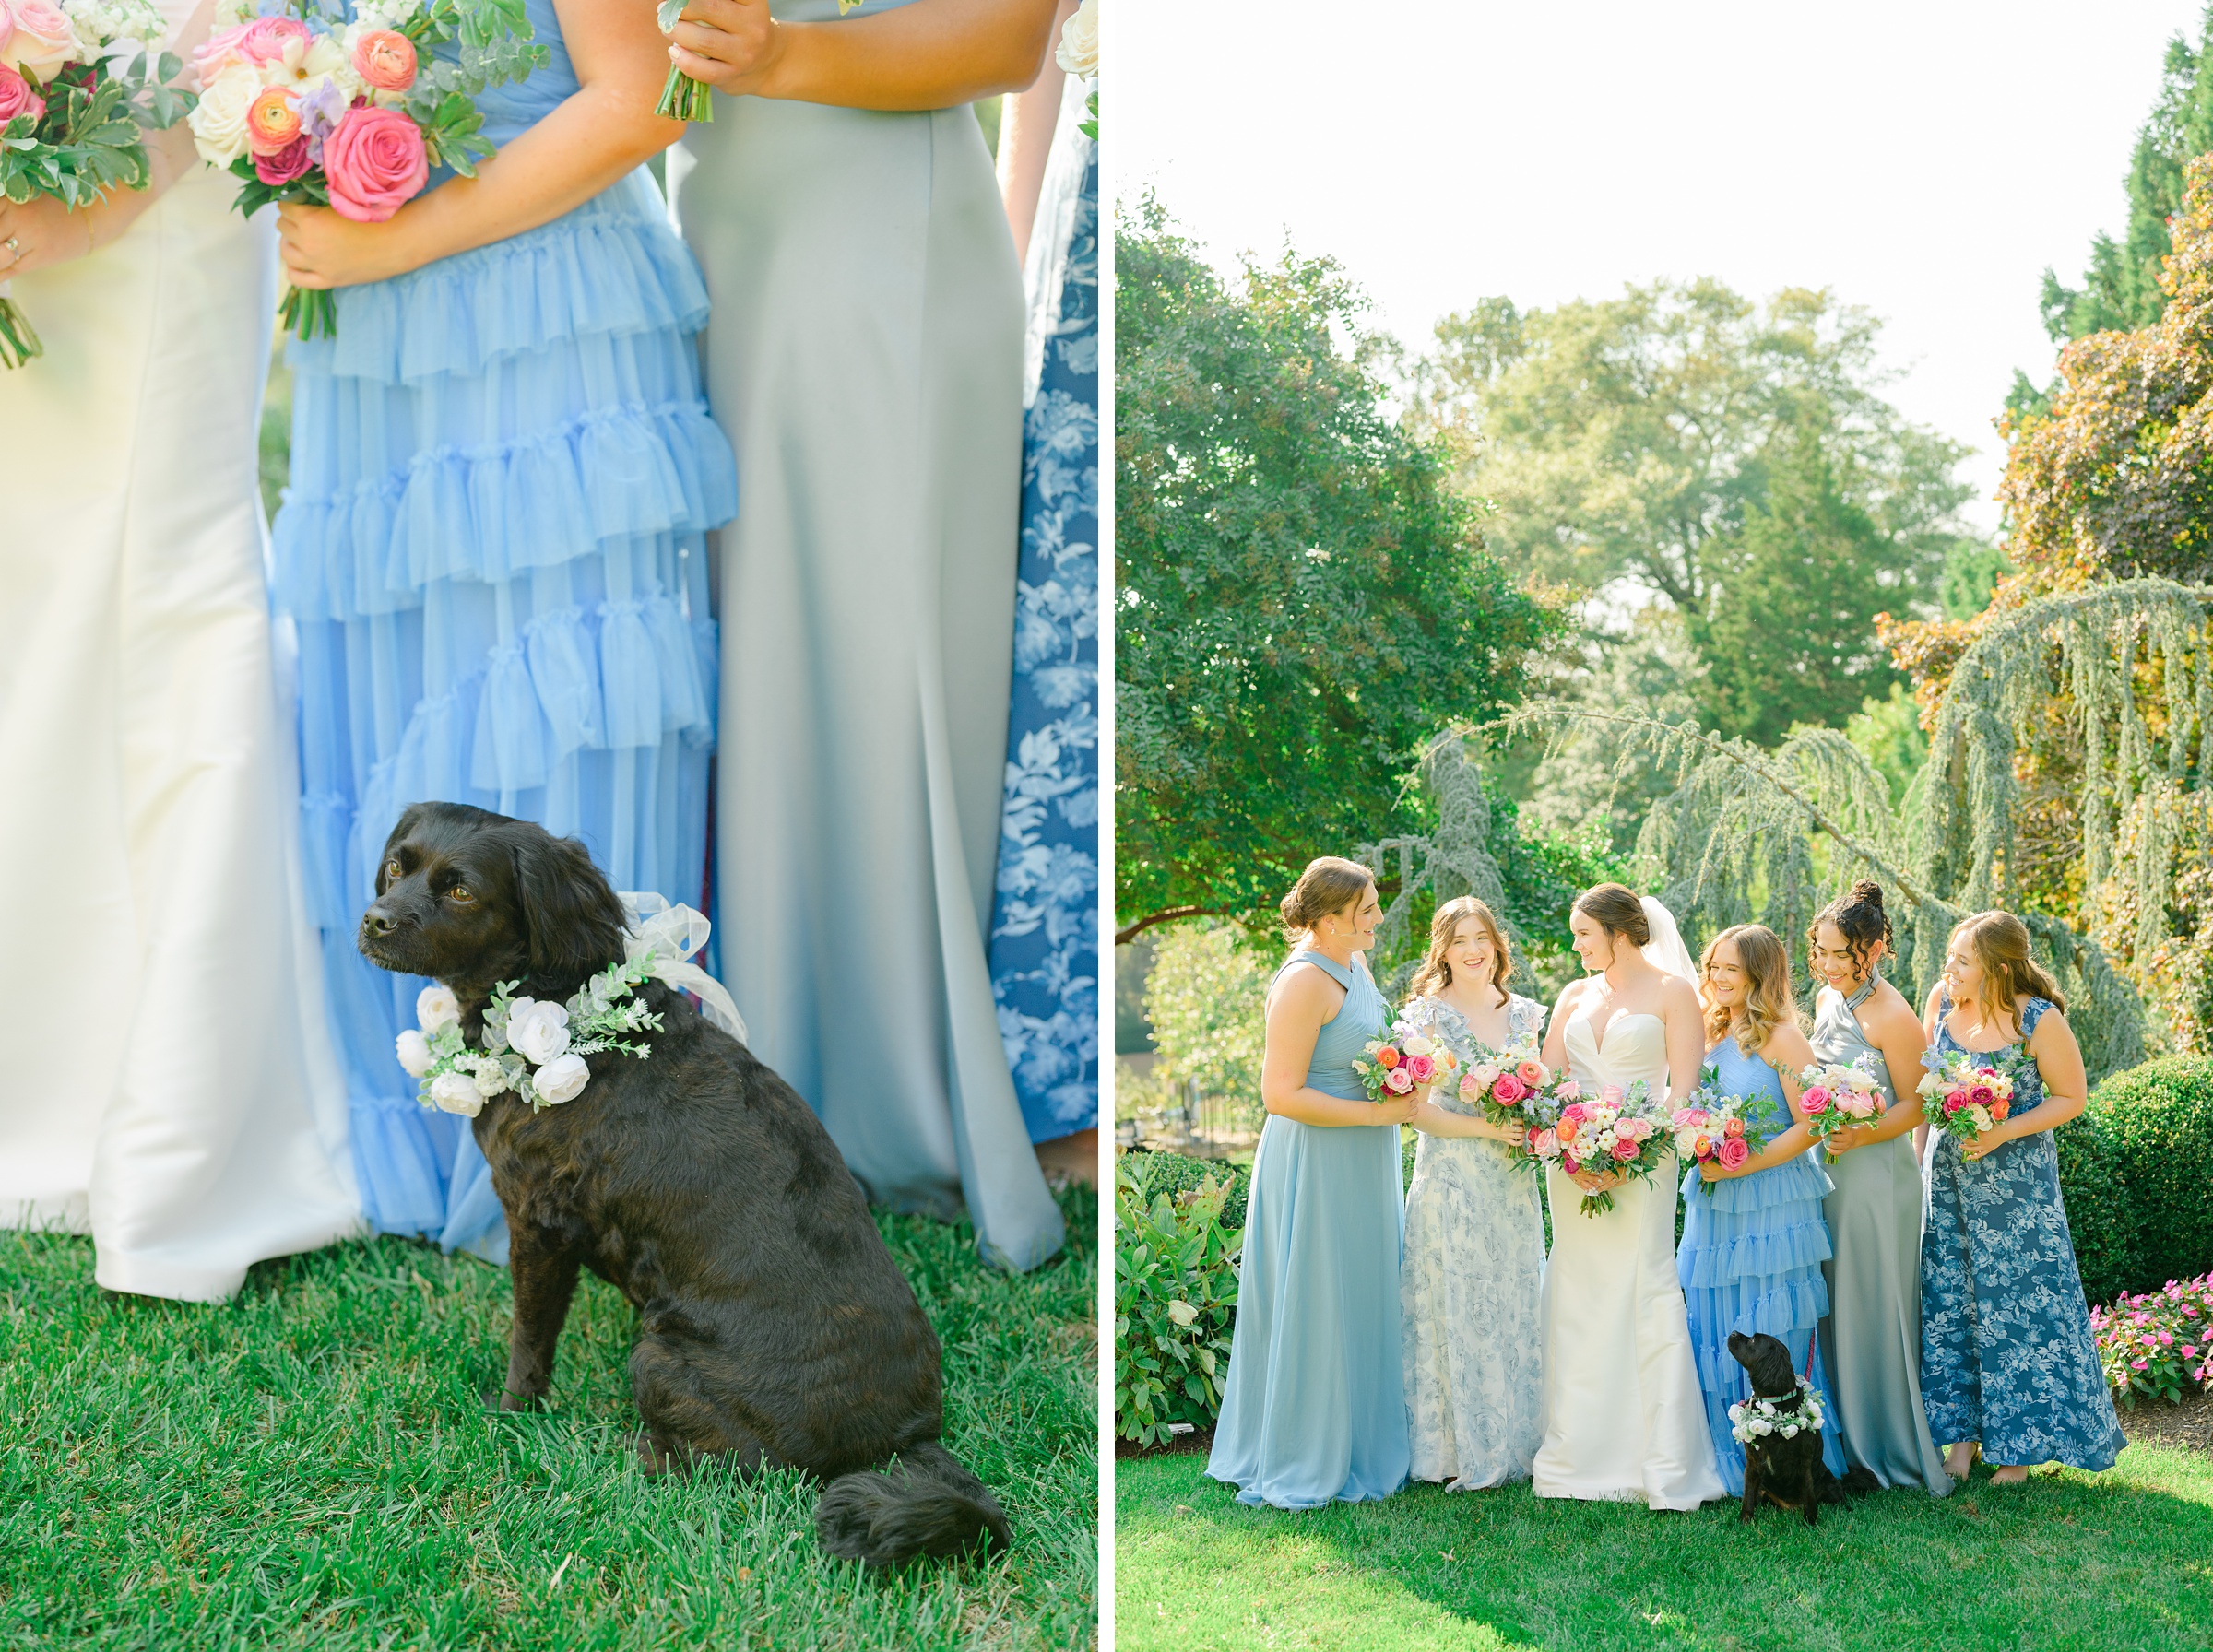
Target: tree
[(1302, 598), (2120, 290)]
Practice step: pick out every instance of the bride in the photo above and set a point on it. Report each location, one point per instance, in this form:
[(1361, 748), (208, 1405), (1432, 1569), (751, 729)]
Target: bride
[(1622, 1417)]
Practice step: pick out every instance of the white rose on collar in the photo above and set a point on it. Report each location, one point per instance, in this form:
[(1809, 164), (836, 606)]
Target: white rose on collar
[(456, 1093), (415, 1053), (562, 1078), (1079, 50), (436, 1007), (538, 1029)]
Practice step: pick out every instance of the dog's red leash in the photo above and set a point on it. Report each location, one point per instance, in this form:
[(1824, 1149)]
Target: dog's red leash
[(1812, 1342)]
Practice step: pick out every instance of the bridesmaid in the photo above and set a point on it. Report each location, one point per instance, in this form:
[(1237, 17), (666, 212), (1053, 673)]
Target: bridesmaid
[(494, 540), (2009, 1366), (1312, 1408), (1871, 1338), (1475, 1227), (1752, 1247)]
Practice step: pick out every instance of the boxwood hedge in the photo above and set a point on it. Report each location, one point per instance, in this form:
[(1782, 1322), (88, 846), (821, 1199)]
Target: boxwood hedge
[(2136, 1169)]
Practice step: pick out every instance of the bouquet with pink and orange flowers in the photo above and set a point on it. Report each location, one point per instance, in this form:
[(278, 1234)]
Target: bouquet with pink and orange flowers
[(1614, 1129), (79, 82), (305, 104), (1510, 1089), (1403, 1058), (1837, 1097), (1964, 1098), (1710, 1128)]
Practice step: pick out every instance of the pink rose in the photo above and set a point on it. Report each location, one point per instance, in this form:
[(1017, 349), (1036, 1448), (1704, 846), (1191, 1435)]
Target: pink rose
[(1397, 1080), (1612, 1095), (1568, 1091), (1623, 1149), (1532, 1072), (1545, 1144), (375, 164), (1816, 1101), (1733, 1153), (384, 60), (1981, 1096), (1422, 1068), (1684, 1118), (286, 165), (1508, 1090), (1640, 1129), (17, 95), (35, 37), (1468, 1087), (1575, 1111), (1859, 1106), (263, 41), (1955, 1102)]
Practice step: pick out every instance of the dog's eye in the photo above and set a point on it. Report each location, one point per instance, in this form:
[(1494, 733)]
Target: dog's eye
[(460, 892), (392, 869)]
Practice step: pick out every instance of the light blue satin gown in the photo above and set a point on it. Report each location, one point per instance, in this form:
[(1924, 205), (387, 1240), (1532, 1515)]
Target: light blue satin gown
[(1750, 1261), (1314, 1407), (493, 548)]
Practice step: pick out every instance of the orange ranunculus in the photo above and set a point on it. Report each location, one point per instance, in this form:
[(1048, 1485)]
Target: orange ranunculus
[(1388, 1056), (272, 121)]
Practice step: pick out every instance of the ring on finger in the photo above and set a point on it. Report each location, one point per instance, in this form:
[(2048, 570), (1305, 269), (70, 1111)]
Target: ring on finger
[(15, 250)]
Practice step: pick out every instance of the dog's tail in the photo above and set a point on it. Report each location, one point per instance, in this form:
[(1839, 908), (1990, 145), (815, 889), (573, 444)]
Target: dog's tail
[(922, 1503)]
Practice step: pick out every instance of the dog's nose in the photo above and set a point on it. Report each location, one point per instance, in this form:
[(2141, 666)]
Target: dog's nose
[(377, 923)]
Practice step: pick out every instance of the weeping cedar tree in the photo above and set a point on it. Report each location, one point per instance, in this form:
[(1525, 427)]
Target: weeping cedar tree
[(1301, 597)]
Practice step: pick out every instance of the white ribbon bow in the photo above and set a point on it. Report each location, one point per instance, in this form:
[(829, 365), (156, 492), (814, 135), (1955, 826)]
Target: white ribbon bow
[(674, 932)]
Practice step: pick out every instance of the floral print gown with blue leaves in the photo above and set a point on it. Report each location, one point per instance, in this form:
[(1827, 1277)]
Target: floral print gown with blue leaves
[(1045, 959), (2006, 1354)]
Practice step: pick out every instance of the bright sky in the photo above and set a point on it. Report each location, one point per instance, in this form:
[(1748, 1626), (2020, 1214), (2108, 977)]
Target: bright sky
[(1925, 158)]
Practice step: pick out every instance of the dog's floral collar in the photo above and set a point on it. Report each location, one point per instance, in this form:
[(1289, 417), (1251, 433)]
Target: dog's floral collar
[(1755, 1418), (532, 1046)]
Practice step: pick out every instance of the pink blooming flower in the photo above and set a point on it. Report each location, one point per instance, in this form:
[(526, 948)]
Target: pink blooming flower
[(1611, 1094), (1733, 1153), (287, 164), (1545, 1144), (1422, 1068), (1398, 1081), (2136, 1364), (1732, 1129), (1532, 1072), (17, 96), (1816, 1101), (384, 60), (1624, 1148), (36, 38), (374, 163), (1575, 1112), (1508, 1091), (263, 41), (1568, 1091), (1982, 1095), (1686, 1118), (1468, 1087)]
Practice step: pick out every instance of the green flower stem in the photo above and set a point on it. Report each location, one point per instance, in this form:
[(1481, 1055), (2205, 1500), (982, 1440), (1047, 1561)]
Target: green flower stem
[(684, 99), (18, 342), (311, 312)]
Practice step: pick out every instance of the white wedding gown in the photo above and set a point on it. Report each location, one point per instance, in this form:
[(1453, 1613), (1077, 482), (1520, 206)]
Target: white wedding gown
[(167, 1082), (1623, 1419)]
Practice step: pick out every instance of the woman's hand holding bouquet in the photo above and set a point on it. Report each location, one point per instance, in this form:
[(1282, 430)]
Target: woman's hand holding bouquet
[(1966, 1100), (1710, 1132)]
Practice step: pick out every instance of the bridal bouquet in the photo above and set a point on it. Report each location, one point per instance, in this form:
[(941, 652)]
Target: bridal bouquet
[(79, 80), (1400, 1060), (1614, 1130), (1710, 1129), (351, 115), (1510, 1089), (1962, 1099), (533, 1047), (1836, 1098)]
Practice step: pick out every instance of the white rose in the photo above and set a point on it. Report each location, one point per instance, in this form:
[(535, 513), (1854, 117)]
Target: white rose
[(415, 1053), (456, 1093), (538, 1029), (1079, 50), (1413, 1043), (218, 130), (562, 1078), (435, 1006)]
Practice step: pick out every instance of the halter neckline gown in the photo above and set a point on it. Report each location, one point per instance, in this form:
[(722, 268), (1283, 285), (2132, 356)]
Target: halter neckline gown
[(1871, 1337), (2007, 1357), (1313, 1407), (1623, 1418)]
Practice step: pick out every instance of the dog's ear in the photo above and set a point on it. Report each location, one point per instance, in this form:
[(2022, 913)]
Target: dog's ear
[(574, 922), (400, 831)]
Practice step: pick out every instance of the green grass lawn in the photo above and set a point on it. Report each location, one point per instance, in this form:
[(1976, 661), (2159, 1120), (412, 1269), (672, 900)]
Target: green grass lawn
[(2123, 1560), (312, 1466)]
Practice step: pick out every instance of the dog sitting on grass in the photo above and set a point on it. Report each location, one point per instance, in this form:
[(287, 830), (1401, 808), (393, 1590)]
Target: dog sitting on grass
[(776, 1330), (1782, 1436)]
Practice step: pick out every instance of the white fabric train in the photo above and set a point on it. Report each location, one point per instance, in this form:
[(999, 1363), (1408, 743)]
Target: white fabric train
[(675, 933)]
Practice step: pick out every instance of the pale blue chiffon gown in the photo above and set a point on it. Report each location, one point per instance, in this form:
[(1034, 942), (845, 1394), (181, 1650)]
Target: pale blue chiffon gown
[(493, 550), (1314, 1407)]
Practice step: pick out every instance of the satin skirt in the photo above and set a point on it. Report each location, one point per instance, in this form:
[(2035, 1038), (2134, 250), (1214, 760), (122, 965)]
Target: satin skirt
[(1871, 1337), (864, 356), (174, 1091), (1623, 1417)]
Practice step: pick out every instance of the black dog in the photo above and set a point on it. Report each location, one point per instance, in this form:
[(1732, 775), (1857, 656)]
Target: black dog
[(1788, 1473), (776, 1329)]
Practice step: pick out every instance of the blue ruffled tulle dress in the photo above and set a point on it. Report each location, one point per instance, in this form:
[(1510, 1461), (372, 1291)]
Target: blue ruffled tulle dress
[(1750, 1261), (1314, 1403), (493, 549)]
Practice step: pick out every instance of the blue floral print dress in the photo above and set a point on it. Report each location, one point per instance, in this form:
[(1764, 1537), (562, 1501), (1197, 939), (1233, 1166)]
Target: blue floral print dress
[(2006, 1354)]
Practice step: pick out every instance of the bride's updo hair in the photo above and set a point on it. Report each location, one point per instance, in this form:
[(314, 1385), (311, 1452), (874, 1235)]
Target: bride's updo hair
[(1860, 919), (1616, 910), (1767, 1000), (1437, 969), (1328, 886)]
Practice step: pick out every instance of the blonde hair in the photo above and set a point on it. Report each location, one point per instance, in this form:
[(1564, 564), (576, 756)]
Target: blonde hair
[(1767, 1000), (1328, 886), (1999, 942), (1436, 969)]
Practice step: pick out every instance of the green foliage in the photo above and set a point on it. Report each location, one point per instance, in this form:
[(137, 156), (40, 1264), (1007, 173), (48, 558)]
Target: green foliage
[(2135, 1169), (1888, 733), (312, 1468), (1302, 598), (1205, 1002), (2154, 1342), (2121, 289), (1973, 568), (88, 142), (1175, 1298), (1179, 1173)]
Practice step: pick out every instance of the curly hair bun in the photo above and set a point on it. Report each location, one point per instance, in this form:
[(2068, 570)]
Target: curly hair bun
[(1868, 892)]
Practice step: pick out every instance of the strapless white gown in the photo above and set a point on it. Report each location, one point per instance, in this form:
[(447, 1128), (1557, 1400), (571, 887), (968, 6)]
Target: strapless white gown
[(1623, 1420)]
